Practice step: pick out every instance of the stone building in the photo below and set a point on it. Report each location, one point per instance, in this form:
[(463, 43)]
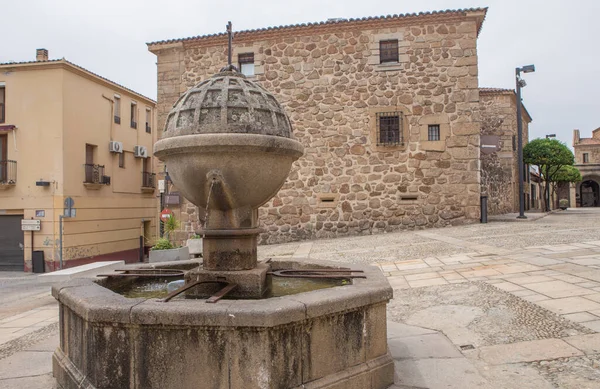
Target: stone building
[(499, 168), (587, 160), (387, 108), (67, 133)]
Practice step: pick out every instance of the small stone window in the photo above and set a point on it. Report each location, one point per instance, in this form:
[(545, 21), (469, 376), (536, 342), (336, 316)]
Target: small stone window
[(586, 158), (433, 132), (388, 126), (388, 51), (514, 142), (246, 61)]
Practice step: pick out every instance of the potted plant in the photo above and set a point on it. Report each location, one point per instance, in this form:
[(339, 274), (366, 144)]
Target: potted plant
[(164, 249), (195, 245), (563, 204)]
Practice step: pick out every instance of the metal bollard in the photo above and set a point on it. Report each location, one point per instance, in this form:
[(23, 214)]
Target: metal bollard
[(483, 209)]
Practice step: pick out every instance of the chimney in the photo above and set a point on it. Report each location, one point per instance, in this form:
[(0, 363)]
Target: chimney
[(41, 55), (576, 137)]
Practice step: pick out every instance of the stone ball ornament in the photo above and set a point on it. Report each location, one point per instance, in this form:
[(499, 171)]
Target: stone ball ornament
[(228, 147)]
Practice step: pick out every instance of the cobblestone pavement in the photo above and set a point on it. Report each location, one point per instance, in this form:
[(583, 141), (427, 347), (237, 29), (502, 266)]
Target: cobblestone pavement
[(504, 305)]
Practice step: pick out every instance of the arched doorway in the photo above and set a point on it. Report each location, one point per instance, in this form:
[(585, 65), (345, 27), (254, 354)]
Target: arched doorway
[(590, 193)]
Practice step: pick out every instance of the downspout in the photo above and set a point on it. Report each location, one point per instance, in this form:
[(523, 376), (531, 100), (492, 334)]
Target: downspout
[(112, 107)]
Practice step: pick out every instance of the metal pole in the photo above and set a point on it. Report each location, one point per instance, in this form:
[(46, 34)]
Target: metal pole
[(230, 33), (520, 148), (60, 238)]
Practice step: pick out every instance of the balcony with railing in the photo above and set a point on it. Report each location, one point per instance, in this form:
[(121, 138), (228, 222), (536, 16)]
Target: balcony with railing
[(133, 124), (148, 128), (94, 176), (8, 174), (148, 182), (2, 118), (117, 119)]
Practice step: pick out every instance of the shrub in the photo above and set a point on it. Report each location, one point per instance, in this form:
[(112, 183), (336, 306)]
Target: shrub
[(196, 236), (563, 203), (162, 244)]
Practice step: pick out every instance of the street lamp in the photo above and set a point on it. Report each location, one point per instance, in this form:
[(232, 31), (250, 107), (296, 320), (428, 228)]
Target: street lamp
[(520, 84)]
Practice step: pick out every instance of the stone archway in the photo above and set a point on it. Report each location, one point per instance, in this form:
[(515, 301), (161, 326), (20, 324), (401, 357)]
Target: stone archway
[(589, 193)]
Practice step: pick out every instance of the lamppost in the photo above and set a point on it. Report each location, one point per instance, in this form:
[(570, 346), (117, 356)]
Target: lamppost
[(520, 84)]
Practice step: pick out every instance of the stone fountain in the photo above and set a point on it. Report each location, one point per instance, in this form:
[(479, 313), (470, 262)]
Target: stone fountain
[(229, 148)]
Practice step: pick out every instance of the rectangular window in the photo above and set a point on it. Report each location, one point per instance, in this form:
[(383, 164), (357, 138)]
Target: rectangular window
[(389, 125), (122, 160), (433, 132), (117, 109), (586, 158), (514, 143), (246, 61), (133, 115), (148, 120), (2, 102), (388, 51)]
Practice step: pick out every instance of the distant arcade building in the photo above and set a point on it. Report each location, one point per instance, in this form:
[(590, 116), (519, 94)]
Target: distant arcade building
[(587, 160)]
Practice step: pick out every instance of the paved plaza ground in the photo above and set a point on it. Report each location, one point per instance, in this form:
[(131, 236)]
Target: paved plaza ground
[(503, 305)]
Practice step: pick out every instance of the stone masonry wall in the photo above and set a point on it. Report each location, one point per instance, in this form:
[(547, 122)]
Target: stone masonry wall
[(332, 85), (499, 170)]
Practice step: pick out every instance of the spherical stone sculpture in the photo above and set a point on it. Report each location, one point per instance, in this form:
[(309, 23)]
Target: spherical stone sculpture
[(228, 148)]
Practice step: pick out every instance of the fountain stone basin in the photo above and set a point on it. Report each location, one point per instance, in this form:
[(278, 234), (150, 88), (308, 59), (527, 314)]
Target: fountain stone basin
[(327, 338)]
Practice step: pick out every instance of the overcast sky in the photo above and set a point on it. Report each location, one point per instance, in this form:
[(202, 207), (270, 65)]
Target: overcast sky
[(108, 37)]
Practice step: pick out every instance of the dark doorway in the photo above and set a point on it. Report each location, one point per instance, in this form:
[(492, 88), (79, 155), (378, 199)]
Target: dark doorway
[(11, 243), (590, 194)]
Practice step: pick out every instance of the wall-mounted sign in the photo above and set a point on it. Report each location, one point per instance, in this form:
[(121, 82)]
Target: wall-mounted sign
[(490, 144), (30, 225), (172, 199), (161, 186), (40, 213), (165, 214)]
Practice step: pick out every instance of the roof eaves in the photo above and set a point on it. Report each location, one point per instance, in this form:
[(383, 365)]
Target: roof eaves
[(331, 22), (73, 65)]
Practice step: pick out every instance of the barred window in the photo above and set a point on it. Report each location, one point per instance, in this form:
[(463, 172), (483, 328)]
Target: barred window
[(389, 125), (246, 61), (388, 51), (433, 132)]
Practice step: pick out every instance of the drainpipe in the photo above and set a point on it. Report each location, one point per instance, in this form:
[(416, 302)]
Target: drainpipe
[(60, 234), (112, 105)]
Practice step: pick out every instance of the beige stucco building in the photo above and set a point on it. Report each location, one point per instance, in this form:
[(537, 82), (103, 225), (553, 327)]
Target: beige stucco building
[(387, 108), (66, 132), (587, 160)]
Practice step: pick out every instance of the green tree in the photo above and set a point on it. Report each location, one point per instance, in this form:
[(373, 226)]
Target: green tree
[(549, 155)]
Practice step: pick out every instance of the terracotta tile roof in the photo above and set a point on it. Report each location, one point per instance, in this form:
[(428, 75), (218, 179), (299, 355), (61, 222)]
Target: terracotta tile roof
[(80, 68), (589, 141), (340, 22)]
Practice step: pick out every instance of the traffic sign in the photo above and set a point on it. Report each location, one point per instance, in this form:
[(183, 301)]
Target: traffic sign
[(165, 214)]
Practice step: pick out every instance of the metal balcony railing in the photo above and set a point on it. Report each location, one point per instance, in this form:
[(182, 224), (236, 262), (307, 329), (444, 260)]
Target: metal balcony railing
[(94, 174), (148, 180), (117, 119), (148, 128), (2, 113), (133, 124), (8, 172)]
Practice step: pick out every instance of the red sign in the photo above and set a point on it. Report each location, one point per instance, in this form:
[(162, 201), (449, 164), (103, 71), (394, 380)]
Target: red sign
[(165, 214)]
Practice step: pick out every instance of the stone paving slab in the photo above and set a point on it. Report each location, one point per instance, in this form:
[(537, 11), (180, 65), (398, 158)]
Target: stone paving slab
[(589, 344), (434, 373), (569, 305), (423, 346), (536, 350)]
